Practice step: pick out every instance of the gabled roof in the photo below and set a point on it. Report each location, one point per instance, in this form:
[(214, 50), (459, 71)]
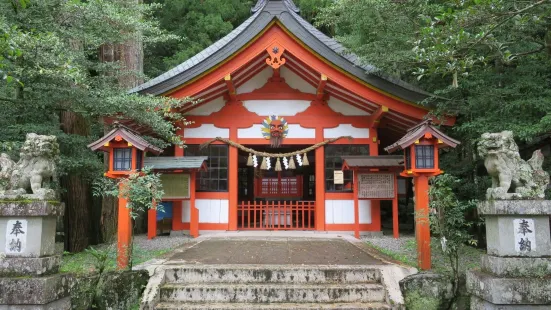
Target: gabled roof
[(175, 163), (417, 132), (286, 13), (129, 136)]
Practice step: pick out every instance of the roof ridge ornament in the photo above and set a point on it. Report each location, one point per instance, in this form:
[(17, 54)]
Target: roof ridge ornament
[(289, 4)]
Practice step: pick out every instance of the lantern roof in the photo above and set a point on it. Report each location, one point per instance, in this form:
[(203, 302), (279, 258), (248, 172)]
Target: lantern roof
[(420, 131), (127, 135), (381, 161)]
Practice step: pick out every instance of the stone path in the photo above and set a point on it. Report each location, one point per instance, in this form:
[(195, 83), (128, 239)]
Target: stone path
[(280, 251)]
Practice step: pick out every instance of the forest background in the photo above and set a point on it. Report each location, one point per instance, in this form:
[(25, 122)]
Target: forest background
[(64, 65)]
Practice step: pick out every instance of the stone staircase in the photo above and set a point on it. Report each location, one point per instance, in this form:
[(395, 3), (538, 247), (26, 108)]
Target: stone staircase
[(281, 287)]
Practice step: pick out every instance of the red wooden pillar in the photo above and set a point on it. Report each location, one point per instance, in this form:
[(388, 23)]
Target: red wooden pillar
[(124, 235), (233, 183), (422, 224), (152, 222), (395, 225), (320, 182), (193, 212), (356, 206)]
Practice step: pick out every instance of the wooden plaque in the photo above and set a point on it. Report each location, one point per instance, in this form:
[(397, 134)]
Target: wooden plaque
[(376, 186), (338, 177), (175, 185)]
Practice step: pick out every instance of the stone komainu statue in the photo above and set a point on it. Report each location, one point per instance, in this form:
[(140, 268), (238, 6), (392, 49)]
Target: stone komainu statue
[(35, 168), (512, 177)]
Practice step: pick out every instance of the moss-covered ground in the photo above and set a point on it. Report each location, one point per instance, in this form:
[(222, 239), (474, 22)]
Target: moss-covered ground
[(85, 262), (407, 254)]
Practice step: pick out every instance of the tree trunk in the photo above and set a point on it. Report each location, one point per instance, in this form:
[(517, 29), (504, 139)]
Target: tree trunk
[(78, 196), (130, 57)]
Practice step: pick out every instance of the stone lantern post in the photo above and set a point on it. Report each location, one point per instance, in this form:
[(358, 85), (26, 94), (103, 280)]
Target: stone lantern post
[(516, 271)]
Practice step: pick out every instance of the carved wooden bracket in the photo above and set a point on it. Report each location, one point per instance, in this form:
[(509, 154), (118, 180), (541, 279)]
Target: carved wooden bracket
[(275, 60)]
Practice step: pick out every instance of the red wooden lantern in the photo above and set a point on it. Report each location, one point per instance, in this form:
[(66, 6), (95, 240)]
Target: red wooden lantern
[(126, 150), (420, 145)]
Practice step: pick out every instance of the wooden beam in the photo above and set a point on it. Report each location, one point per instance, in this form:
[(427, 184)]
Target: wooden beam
[(229, 85), (375, 118), (321, 86)]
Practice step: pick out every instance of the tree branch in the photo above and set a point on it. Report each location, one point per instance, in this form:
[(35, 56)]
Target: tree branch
[(511, 16)]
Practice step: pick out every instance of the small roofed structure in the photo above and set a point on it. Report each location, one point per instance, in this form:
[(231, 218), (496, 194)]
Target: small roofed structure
[(379, 162), (176, 163)]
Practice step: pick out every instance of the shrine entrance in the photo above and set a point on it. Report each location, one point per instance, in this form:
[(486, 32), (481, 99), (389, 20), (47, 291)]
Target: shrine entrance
[(276, 200)]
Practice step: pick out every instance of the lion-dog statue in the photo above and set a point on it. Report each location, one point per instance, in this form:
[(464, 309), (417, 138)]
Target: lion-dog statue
[(512, 177), (35, 169)]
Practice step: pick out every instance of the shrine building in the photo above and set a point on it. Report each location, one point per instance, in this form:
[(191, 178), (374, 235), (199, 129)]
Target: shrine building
[(288, 133)]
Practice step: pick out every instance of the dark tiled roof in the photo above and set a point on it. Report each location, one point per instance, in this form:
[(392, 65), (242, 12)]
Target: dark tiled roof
[(129, 136), (417, 132), (287, 13), (171, 163), (380, 161)]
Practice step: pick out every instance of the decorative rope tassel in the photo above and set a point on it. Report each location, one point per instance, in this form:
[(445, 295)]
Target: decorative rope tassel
[(292, 163), (250, 160), (305, 160), (263, 165), (278, 165)]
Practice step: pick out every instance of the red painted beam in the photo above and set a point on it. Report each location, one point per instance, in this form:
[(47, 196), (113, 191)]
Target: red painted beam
[(231, 88), (375, 118), (321, 86)]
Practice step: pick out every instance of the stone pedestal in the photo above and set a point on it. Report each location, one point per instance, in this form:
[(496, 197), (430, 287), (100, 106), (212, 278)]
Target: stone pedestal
[(29, 276), (516, 272)]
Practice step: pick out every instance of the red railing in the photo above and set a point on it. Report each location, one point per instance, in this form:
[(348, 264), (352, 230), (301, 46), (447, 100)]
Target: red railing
[(279, 187), (276, 215)]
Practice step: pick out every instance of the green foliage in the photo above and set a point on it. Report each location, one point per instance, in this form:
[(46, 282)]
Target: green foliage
[(49, 65), (448, 221), (487, 61), (142, 189), (198, 23), (415, 301), (101, 257)]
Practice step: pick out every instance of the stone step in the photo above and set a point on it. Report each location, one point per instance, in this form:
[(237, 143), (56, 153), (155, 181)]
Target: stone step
[(273, 292), (272, 306), (272, 274)]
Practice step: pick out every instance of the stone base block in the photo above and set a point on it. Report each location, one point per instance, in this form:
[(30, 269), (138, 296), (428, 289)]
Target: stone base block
[(481, 304), (35, 237), (33, 291), (14, 208), (509, 291), (537, 267), (503, 239), (29, 266), (62, 304), (514, 207)]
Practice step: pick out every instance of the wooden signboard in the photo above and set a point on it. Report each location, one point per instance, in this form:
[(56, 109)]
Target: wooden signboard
[(338, 177), (175, 186), (376, 186)]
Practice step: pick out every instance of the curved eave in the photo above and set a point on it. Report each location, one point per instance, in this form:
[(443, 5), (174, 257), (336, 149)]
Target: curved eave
[(277, 12)]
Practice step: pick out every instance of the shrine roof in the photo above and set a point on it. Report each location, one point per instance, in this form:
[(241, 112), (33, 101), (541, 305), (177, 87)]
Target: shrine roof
[(286, 13), (128, 135), (380, 161), (417, 132), (175, 163)]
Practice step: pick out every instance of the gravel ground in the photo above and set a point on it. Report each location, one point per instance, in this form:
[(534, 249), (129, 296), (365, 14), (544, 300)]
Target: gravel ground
[(160, 242)]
